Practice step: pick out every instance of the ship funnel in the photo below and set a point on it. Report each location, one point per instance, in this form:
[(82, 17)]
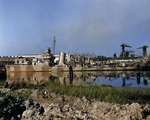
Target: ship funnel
[(62, 56)]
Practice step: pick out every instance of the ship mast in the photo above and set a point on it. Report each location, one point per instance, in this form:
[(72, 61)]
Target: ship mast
[(54, 42)]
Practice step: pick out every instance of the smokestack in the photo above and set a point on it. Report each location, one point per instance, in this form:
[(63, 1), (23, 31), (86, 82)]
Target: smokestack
[(62, 57)]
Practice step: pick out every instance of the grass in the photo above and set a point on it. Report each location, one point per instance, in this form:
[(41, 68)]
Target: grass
[(12, 104), (2, 82), (104, 93), (101, 93)]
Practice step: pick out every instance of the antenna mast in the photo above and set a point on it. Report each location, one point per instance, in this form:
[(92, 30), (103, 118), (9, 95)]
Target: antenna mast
[(54, 42)]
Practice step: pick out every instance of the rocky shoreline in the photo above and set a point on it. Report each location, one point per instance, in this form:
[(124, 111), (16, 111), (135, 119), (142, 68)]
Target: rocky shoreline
[(50, 106)]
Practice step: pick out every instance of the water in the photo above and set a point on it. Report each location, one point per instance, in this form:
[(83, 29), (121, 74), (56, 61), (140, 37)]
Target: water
[(113, 78), (126, 80)]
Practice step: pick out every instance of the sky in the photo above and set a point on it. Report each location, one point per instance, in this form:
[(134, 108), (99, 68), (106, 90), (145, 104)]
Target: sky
[(81, 26)]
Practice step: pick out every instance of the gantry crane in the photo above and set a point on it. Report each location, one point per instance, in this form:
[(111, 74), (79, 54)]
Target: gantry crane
[(144, 50), (123, 48)]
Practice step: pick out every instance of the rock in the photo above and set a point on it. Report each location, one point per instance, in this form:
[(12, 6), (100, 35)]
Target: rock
[(127, 117), (6, 85), (32, 109), (34, 93), (146, 111), (27, 114), (81, 104), (53, 95), (136, 110), (82, 108), (148, 117)]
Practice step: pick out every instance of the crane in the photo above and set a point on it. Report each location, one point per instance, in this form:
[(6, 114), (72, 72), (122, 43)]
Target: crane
[(144, 47), (123, 47)]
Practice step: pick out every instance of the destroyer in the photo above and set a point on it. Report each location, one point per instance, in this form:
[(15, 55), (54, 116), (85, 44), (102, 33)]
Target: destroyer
[(44, 63)]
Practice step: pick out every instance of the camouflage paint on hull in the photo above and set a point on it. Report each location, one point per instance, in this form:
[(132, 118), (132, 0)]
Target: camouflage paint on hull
[(46, 68), (28, 68), (97, 69)]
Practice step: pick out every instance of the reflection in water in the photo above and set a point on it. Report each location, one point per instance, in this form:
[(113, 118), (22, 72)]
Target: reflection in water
[(22, 79), (138, 80), (77, 78), (70, 74), (125, 76), (144, 76), (114, 78)]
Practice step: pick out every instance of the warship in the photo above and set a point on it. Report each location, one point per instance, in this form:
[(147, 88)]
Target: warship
[(43, 63)]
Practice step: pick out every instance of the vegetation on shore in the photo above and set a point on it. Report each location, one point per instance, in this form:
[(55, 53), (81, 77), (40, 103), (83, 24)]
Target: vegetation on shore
[(14, 99), (12, 103), (101, 93)]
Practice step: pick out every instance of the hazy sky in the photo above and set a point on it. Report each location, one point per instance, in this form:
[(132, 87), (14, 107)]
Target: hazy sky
[(82, 26)]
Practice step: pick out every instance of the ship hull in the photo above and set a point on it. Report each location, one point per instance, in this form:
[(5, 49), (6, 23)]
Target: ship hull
[(27, 68), (46, 68)]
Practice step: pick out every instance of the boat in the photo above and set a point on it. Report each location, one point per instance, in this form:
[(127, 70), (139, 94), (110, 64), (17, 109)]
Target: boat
[(46, 68), (44, 63)]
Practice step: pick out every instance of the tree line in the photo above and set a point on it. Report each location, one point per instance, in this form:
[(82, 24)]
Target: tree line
[(123, 55)]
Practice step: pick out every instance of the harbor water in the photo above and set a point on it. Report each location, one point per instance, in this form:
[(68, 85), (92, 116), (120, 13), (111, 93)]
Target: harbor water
[(113, 78)]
